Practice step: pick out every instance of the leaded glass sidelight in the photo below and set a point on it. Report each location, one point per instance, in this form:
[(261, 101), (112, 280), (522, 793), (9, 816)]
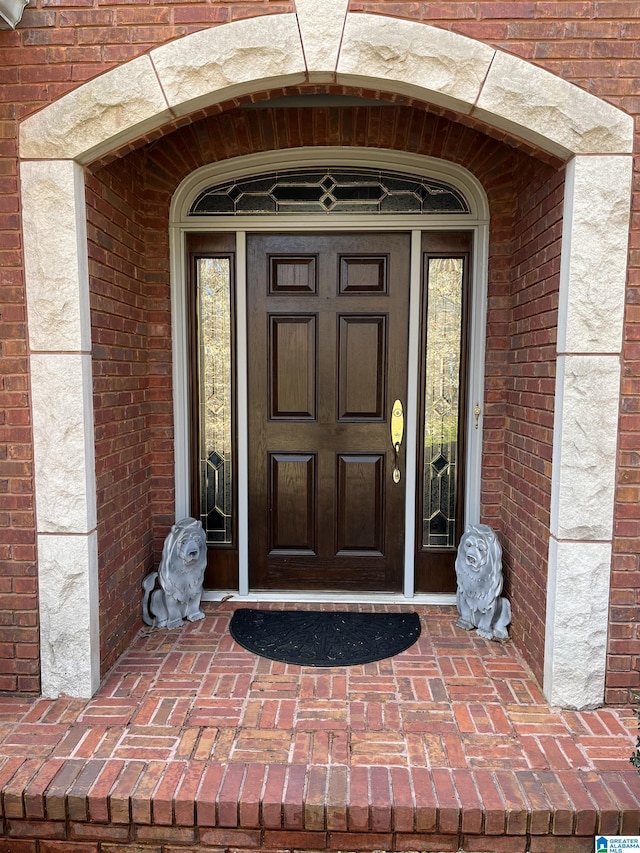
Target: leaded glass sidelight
[(330, 190), (213, 282), (442, 400)]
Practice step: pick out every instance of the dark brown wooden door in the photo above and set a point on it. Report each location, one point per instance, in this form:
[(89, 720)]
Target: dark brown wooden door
[(327, 342)]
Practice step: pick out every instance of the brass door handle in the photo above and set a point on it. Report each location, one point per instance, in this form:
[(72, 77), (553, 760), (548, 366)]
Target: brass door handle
[(397, 434)]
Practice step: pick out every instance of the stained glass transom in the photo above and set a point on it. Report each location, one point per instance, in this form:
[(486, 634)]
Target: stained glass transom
[(442, 401), (330, 191), (213, 279)]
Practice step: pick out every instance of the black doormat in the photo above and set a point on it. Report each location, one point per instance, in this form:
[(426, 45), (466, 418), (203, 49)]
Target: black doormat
[(324, 638)]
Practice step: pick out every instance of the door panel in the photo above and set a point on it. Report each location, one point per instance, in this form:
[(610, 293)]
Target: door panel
[(359, 493), (327, 331), (291, 355), (362, 367), (363, 275), (292, 493), (292, 275)]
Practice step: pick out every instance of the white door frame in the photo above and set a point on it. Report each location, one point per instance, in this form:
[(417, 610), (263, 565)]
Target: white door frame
[(181, 224)]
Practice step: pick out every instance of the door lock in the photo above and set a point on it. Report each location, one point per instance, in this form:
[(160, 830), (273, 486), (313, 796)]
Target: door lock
[(397, 434)]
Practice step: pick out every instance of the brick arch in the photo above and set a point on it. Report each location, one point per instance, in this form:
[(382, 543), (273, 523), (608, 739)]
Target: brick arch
[(321, 44)]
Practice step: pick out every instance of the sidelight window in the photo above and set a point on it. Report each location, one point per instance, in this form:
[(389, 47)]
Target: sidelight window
[(214, 332), (442, 368)]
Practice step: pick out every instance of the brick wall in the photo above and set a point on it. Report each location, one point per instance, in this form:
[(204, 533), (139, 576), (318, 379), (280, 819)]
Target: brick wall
[(160, 365), (119, 318), (19, 637), (623, 671), (529, 410), (57, 47)]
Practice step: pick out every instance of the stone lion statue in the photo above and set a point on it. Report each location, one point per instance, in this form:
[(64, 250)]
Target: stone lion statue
[(180, 576), (479, 575)]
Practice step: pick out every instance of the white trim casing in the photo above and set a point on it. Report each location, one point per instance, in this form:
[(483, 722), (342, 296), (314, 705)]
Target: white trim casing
[(242, 432), (324, 41), (412, 397)]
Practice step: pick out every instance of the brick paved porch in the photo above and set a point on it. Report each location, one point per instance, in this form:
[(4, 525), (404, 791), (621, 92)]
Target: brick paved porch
[(195, 744)]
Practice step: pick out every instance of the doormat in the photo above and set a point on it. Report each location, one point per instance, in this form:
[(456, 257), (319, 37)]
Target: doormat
[(324, 638)]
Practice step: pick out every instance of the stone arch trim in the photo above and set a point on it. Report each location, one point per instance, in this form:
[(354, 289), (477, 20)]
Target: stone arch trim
[(361, 50), (394, 56)]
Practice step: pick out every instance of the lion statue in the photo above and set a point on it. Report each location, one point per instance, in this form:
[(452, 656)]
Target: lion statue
[(479, 575), (180, 575)]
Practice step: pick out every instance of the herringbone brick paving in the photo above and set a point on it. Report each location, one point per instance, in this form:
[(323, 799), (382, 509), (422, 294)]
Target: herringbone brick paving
[(194, 743)]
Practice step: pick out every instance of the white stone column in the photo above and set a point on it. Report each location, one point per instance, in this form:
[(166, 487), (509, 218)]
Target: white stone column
[(62, 400), (590, 320)]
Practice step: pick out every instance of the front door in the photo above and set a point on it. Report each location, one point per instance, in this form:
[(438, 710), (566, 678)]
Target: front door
[(327, 355)]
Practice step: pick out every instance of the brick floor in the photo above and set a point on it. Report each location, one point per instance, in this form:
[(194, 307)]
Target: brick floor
[(193, 744)]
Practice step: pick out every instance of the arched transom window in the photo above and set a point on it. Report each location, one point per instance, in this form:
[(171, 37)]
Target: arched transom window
[(330, 190)]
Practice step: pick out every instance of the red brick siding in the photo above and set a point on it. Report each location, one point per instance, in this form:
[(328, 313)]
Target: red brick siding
[(502, 213), (19, 637), (623, 672), (119, 318), (529, 413), (159, 379), (58, 47)]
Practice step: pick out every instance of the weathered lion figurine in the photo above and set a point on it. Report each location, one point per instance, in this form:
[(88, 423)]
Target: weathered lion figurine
[(180, 575), (479, 574)]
